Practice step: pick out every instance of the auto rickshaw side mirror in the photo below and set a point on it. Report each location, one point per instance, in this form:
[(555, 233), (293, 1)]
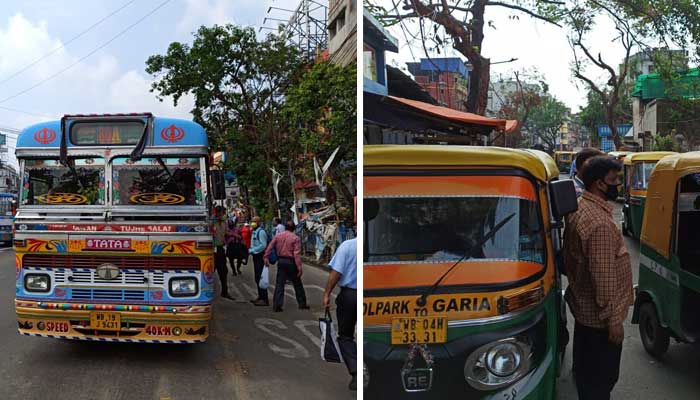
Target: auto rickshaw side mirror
[(562, 198)]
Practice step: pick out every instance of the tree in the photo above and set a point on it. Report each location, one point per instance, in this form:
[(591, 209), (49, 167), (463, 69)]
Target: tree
[(546, 120), (322, 111), (639, 25), (461, 23), (239, 83), (594, 114)]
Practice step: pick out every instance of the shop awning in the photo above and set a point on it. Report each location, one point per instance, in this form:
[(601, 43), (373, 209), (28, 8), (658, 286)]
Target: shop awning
[(457, 116)]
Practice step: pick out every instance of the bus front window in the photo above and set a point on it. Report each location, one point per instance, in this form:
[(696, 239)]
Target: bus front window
[(47, 182), (157, 181)]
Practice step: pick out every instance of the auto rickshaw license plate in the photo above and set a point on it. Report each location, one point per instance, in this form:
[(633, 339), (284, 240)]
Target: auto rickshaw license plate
[(106, 321), (411, 330)]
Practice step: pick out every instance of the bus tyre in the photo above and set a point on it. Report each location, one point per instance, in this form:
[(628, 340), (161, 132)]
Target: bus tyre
[(654, 336)]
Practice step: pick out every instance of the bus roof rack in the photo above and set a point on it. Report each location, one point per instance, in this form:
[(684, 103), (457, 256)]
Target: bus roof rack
[(146, 114)]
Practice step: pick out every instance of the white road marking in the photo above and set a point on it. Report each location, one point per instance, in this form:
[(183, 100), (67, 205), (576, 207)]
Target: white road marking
[(296, 351), (308, 328)]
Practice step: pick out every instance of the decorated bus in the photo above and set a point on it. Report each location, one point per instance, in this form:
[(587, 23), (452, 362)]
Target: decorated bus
[(112, 237)]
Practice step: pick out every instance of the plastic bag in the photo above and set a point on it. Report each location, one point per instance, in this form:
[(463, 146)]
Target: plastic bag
[(264, 278), (330, 350)]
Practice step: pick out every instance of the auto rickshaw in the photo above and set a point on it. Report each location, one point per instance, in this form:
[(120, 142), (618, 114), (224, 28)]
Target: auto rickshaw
[(462, 297), (563, 160), (637, 168), (620, 156), (668, 292)]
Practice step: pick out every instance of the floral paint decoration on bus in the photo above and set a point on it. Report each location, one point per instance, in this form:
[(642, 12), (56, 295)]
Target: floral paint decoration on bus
[(186, 247), (58, 246)]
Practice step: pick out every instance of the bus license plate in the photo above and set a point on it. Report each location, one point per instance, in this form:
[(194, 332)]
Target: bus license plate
[(418, 330), (106, 321)]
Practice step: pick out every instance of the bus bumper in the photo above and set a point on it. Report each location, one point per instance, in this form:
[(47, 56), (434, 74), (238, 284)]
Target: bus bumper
[(139, 324)]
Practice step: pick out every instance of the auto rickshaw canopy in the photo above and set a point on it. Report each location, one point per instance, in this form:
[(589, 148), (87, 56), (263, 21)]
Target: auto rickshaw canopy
[(537, 163), (658, 214), (618, 154), (646, 156)]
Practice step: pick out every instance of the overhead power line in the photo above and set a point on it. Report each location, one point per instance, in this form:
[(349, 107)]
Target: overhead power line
[(24, 112), (71, 40), (102, 46)]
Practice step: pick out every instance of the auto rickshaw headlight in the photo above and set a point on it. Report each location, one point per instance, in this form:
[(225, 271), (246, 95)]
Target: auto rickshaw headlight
[(497, 364)]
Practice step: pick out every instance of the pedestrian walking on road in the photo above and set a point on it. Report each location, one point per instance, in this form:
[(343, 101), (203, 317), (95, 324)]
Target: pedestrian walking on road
[(600, 281), (257, 250), (246, 234), (219, 228), (279, 226), (289, 267), (236, 251), (344, 274)]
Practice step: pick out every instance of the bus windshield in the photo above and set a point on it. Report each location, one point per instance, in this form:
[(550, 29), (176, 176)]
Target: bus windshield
[(157, 181), (442, 229), (47, 182)]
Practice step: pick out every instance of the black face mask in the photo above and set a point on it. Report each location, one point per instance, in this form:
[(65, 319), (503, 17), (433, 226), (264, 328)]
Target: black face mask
[(612, 192)]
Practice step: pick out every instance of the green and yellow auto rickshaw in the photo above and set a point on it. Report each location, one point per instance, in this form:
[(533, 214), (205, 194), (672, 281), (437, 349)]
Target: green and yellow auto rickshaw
[(637, 169), (462, 298), (564, 160), (668, 292)]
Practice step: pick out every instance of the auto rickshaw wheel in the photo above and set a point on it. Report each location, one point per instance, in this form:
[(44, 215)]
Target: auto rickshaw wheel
[(654, 336)]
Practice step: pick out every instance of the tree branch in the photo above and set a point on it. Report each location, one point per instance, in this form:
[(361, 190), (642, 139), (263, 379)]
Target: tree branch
[(524, 10)]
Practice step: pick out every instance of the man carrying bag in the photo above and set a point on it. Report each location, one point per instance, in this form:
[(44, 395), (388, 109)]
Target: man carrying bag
[(287, 246)]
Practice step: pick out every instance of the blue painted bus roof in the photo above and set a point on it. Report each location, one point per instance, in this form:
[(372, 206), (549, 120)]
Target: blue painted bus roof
[(166, 132)]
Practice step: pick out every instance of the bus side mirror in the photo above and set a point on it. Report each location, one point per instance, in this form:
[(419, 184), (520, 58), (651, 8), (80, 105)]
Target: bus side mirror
[(562, 198), (218, 184)]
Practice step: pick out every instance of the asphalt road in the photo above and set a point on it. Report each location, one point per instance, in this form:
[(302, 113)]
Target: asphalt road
[(252, 353), (676, 377)]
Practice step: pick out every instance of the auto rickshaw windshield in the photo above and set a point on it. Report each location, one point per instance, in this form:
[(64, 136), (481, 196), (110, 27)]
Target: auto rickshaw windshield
[(641, 174), (440, 229)]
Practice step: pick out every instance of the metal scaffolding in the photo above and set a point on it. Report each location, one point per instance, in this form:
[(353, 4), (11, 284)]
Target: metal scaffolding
[(306, 27)]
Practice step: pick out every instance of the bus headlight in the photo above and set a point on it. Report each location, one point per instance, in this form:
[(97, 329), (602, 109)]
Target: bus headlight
[(497, 364), (183, 286), (37, 283)]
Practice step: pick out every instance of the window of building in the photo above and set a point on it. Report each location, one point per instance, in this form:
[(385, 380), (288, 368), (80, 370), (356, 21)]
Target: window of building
[(369, 62)]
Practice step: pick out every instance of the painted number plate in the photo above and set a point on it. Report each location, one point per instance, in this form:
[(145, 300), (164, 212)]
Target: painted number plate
[(418, 330), (106, 321)]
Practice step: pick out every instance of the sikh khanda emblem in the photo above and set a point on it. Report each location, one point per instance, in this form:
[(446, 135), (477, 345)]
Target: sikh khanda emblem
[(172, 134), (45, 136)]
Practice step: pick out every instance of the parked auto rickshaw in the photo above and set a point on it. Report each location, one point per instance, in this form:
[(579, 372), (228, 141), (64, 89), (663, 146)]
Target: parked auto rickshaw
[(563, 160), (637, 169), (668, 293), (620, 156), (462, 297)]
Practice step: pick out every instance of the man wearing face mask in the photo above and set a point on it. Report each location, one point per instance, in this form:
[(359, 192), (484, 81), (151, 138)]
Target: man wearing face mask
[(600, 281)]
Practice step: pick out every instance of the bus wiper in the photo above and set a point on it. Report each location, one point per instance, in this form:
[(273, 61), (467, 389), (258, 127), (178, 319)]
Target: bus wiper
[(170, 176), (137, 153), (423, 299)]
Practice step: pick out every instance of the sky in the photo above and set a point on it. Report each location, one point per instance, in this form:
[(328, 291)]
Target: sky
[(113, 79), (536, 45)]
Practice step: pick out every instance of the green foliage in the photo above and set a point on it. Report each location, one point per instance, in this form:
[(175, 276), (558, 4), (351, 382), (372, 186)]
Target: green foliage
[(546, 120), (665, 143), (238, 83)]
